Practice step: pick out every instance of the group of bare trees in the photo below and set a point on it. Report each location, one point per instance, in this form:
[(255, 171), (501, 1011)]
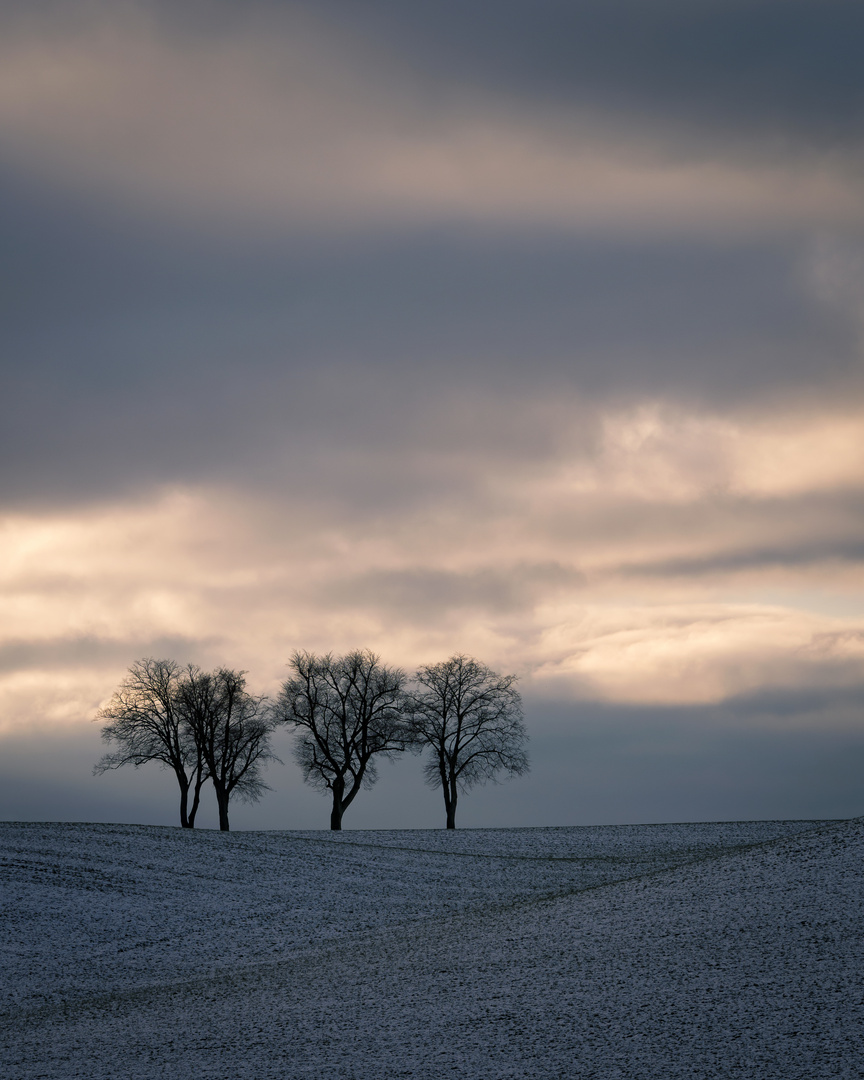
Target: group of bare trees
[(201, 725), (347, 712)]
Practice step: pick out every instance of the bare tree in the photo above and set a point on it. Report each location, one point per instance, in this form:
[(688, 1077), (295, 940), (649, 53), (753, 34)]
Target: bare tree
[(471, 719), (231, 729), (146, 722), (347, 711)]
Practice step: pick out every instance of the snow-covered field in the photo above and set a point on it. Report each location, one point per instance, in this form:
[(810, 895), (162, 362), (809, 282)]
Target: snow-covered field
[(655, 952)]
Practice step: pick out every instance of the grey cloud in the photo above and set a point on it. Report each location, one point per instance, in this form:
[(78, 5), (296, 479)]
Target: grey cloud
[(764, 73), (776, 755), (834, 706), (765, 76), (745, 71), (90, 652), (843, 549), (729, 532), (439, 592), (415, 112), (142, 355)]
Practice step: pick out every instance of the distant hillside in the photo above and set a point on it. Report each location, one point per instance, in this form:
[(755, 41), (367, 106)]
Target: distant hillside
[(666, 951)]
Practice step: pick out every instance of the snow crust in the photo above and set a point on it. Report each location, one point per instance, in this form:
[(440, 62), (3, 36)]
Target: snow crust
[(697, 951)]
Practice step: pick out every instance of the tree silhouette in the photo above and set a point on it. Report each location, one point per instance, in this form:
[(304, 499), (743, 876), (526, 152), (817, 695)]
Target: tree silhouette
[(201, 725), (346, 711), (146, 722), (231, 729), (470, 717)]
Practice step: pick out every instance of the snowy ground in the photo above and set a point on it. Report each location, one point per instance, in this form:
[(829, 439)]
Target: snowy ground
[(655, 952)]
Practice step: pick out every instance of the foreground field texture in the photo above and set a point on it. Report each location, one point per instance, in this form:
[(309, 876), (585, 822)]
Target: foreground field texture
[(673, 951)]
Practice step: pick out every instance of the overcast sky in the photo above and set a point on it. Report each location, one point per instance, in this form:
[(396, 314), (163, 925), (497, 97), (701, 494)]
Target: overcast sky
[(531, 330)]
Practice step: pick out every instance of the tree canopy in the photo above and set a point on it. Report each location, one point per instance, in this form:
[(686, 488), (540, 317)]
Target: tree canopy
[(145, 721), (470, 718), (201, 725), (347, 712)]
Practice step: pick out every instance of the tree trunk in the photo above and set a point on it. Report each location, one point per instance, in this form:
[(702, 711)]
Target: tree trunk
[(196, 799), (338, 803), (450, 798), (184, 800), (222, 803)]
